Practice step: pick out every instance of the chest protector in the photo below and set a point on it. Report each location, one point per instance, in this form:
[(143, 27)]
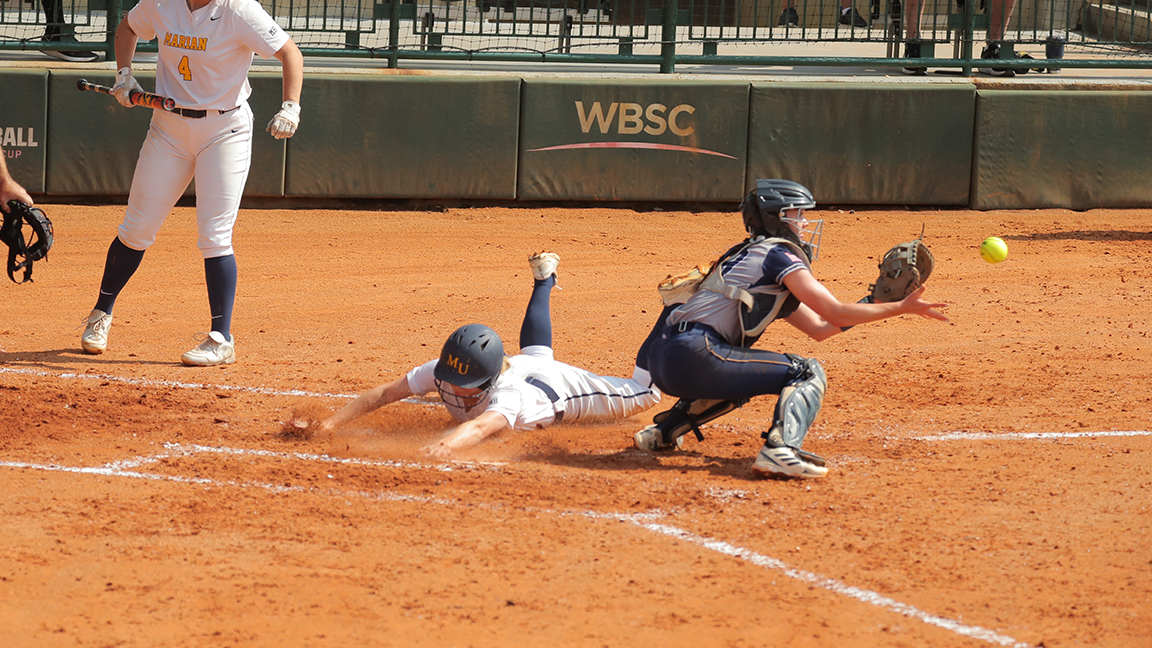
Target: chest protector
[(760, 308)]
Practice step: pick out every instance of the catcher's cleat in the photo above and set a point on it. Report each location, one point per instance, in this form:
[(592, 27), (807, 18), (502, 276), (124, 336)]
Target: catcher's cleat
[(543, 265), (651, 439), (95, 337), (214, 350), (678, 289), (778, 462)]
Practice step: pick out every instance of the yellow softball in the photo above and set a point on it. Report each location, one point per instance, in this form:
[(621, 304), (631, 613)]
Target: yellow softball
[(993, 250)]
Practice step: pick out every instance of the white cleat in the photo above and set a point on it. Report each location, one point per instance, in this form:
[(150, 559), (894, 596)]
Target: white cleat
[(543, 265), (650, 439), (785, 462), (214, 350), (95, 337)]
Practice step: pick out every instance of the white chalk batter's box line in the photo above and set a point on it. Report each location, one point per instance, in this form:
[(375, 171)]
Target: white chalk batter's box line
[(144, 382), (646, 521)]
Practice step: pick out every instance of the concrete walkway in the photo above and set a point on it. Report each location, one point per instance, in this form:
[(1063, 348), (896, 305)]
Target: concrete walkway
[(1067, 78)]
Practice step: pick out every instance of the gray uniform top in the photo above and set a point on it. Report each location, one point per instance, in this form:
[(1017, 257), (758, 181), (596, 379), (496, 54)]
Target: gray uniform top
[(759, 269)]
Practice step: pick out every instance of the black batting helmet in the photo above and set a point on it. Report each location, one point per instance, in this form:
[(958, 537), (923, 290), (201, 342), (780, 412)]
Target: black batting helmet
[(472, 357)]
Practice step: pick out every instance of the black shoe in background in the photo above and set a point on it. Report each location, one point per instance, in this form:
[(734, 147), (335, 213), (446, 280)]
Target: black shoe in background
[(852, 17), (992, 51), (912, 50)]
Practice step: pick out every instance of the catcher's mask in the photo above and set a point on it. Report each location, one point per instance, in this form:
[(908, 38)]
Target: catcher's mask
[(33, 249), (765, 211), (471, 360)]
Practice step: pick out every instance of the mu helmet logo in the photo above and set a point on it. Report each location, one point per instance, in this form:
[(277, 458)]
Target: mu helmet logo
[(472, 357)]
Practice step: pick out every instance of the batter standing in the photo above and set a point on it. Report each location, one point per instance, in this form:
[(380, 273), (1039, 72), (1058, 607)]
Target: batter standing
[(205, 52), (489, 392)]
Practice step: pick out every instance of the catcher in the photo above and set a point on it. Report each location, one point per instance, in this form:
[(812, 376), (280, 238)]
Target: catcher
[(700, 349)]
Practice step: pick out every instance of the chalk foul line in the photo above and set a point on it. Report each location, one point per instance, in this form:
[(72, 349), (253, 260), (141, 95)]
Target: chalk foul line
[(833, 585), (145, 382), (1016, 436)]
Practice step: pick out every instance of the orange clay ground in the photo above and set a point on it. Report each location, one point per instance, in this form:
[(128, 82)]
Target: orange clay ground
[(990, 483)]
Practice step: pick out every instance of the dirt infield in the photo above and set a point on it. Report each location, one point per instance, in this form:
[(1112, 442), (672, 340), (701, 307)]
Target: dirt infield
[(990, 481)]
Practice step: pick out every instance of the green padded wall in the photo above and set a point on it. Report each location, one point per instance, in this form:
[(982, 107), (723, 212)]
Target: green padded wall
[(506, 138), (95, 141), (1075, 150), (872, 143), (24, 126), (633, 140), (373, 136)]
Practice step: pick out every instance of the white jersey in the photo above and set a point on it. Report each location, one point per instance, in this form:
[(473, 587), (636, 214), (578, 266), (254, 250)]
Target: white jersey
[(204, 56), (537, 391)]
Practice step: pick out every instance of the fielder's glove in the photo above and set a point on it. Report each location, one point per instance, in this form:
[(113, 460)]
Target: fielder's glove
[(903, 269), (125, 85), (30, 250), (284, 123)]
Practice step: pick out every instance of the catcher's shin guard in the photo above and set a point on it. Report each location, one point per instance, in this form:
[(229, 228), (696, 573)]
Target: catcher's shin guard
[(798, 406), (669, 427)]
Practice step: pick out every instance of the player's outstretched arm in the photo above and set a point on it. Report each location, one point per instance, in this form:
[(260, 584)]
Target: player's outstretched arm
[(370, 400), (467, 435), (835, 314)]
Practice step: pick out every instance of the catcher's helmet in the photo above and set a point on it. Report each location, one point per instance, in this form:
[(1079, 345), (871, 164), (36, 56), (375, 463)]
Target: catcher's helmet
[(472, 357), (763, 210)]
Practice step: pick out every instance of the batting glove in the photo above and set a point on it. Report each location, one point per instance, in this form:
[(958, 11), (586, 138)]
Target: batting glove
[(125, 85), (284, 124)]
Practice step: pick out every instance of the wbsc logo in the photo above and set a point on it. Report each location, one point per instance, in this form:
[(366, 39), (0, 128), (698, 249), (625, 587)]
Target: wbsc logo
[(632, 118), (628, 118)]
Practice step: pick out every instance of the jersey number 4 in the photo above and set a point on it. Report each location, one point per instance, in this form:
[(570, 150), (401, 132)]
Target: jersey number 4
[(185, 70)]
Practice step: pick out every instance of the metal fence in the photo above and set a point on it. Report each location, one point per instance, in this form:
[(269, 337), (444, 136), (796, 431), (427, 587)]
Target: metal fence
[(662, 33)]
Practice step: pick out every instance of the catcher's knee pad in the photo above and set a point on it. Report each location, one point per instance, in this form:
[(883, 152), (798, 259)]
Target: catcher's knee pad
[(799, 404), (688, 415)]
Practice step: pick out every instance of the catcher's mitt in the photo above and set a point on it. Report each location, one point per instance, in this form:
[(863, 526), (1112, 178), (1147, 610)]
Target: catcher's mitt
[(30, 250), (903, 269)]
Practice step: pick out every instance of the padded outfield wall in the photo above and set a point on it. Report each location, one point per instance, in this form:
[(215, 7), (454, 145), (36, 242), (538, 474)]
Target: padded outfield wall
[(501, 138)]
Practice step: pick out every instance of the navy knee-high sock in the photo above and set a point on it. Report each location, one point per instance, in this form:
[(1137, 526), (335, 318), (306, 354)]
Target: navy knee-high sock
[(120, 265), (642, 354), (537, 327), (220, 275)]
